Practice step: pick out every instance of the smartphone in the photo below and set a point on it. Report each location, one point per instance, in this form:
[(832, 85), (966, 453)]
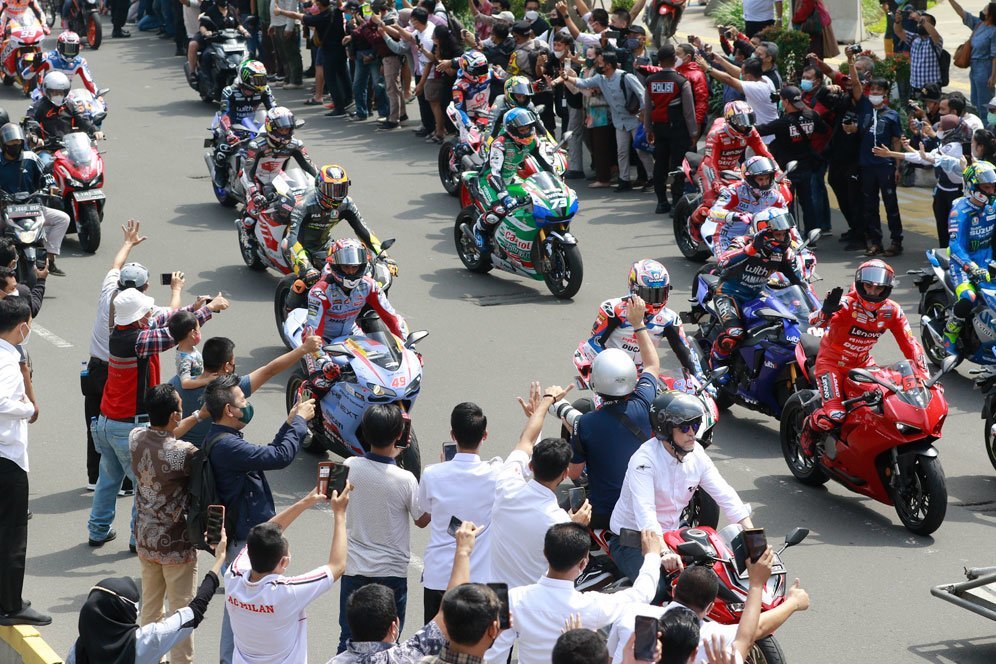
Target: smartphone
[(325, 477), (449, 451), (405, 440), (501, 589), (631, 538), (454, 526), (305, 394), (612, 34), (166, 278), (646, 638), (755, 543), (577, 497), (337, 482), (215, 522)]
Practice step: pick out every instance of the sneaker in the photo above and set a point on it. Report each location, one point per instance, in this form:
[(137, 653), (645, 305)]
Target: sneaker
[(26, 616), (126, 491), (893, 250), (421, 132), (624, 185), (355, 117), (111, 534), (335, 114), (387, 126), (53, 268), (873, 250), (91, 486)]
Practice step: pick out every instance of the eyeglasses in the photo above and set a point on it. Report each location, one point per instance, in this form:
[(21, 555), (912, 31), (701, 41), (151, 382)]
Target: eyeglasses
[(689, 427), (121, 597)]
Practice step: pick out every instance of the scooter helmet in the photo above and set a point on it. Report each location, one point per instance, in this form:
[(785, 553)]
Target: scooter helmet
[(519, 91), (252, 75), (873, 273), (675, 409), (649, 279), (520, 125), (757, 167), (68, 44), (978, 175), (348, 263), (739, 116), (279, 126), (56, 87), (133, 275), (613, 374), (12, 140), (474, 67), (331, 186)]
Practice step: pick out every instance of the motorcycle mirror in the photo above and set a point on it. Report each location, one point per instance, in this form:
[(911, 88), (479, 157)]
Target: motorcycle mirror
[(337, 349), (860, 376), (814, 235), (415, 337), (796, 535), (387, 244), (947, 364), (103, 91), (791, 166), (693, 550), (719, 371)]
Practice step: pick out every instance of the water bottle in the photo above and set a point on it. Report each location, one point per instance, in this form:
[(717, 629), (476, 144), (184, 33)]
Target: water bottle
[(84, 370)]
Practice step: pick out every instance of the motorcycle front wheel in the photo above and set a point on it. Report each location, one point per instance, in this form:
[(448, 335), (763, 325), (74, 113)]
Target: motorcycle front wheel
[(448, 176), (280, 309), (935, 306), (472, 258), (88, 228), (94, 32), (988, 437), (922, 500), (806, 469), (766, 651), (690, 249), (411, 458), (565, 277)]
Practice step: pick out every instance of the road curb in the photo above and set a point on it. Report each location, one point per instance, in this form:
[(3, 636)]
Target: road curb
[(24, 645)]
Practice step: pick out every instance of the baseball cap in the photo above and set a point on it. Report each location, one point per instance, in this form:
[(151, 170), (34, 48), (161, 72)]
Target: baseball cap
[(992, 104), (532, 16), (133, 275), (792, 95), (930, 92), (637, 30), (506, 16), (522, 27), (130, 306)]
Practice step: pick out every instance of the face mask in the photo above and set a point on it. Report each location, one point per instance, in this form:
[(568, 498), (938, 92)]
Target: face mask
[(991, 118), (599, 70), (876, 100), (26, 335), (58, 99), (678, 62), (922, 31), (559, 54), (631, 44), (806, 85), (247, 412), (13, 151)]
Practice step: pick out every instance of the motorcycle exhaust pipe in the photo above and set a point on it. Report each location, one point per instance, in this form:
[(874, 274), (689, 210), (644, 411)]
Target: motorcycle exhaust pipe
[(209, 160)]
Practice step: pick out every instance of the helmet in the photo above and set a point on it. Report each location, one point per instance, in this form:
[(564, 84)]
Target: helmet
[(979, 173), (873, 273), (56, 86), (68, 44), (332, 185), (12, 140), (649, 279), (252, 74), (4, 116), (474, 67), (613, 373), (518, 90), (348, 262), (739, 116), (520, 124), (773, 219), (279, 126), (674, 409), (133, 275), (758, 166)]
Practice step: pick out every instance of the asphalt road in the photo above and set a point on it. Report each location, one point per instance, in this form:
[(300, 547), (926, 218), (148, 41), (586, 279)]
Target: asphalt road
[(868, 576)]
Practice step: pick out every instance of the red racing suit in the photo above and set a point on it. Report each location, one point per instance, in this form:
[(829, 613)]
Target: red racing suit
[(739, 199), (850, 334)]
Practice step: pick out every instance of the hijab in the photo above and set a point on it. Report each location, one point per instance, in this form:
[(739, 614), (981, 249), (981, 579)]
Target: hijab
[(108, 623)]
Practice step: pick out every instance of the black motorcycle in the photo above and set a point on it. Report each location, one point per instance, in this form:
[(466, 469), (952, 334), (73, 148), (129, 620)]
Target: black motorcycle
[(218, 64), (23, 222), (84, 20)]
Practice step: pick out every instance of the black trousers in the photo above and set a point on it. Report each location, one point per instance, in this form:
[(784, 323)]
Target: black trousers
[(876, 181), (119, 13), (751, 28), (670, 145), (842, 176), (431, 601), (13, 534), (425, 113), (942, 208), (338, 81), (92, 386)]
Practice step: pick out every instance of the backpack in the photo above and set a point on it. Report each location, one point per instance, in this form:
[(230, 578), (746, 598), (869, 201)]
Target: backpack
[(632, 100), (944, 60), (203, 492)]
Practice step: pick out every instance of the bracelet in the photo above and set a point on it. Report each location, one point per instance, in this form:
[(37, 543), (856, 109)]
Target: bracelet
[(196, 415), (549, 396), (639, 329)]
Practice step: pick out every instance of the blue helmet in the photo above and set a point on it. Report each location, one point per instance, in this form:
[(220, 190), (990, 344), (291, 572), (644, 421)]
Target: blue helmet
[(520, 124), (976, 175)]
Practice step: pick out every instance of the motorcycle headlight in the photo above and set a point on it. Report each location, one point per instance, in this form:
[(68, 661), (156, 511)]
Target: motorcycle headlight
[(907, 429), (27, 237)]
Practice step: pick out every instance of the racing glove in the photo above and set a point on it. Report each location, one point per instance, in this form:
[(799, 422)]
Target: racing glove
[(832, 302), (759, 245), (258, 201), (979, 273), (392, 265), (231, 138), (508, 201), (311, 277)]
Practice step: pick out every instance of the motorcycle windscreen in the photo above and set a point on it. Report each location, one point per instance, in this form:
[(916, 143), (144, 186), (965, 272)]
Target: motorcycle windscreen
[(793, 300), (77, 148)]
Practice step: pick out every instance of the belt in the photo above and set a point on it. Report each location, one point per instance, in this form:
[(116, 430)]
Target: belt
[(138, 419), (99, 362)]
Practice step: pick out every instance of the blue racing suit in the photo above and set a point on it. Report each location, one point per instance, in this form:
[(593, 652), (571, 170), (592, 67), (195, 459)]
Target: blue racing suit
[(55, 61), (237, 104), (970, 228)]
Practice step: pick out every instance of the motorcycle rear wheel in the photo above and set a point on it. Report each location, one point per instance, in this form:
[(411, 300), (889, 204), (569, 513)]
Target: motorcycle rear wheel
[(94, 32), (988, 437), (922, 507), (806, 469), (280, 307), (571, 272), (471, 257), (449, 177), (766, 651), (935, 306), (88, 228), (411, 458), (690, 249)]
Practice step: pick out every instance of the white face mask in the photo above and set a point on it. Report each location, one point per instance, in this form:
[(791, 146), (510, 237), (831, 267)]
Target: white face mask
[(58, 99), (678, 62), (876, 100), (560, 54), (26, 336)]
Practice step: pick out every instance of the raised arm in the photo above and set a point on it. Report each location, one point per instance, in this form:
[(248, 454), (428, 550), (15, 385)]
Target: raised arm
[(958, 9), (132, 238)]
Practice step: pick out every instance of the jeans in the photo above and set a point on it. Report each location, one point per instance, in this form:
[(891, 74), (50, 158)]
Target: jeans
[(365, 73), (979, 77), (821, 199), (349, 584), (111, 439), (227, 646), (629, 561), (876, 180)]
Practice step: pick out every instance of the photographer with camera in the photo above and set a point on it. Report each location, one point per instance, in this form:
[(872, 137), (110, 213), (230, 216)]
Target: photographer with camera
[(925, 47)]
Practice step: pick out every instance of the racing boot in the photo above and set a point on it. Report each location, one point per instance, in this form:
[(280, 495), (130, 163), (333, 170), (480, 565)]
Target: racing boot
[(956, 321), (221, 165), (485, 226), (695, 223)]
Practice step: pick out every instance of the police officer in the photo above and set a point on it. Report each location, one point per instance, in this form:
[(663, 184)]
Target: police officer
[(669, 121)]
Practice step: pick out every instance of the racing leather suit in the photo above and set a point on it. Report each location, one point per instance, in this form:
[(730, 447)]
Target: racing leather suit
[(55, 61), (612, 330), (733, 202), (19, 10), (311, 225), (267, 162), (970, 228), (498, 111), (504, 159), (851, 331), (237, 104), (470, 101), (743, 275)]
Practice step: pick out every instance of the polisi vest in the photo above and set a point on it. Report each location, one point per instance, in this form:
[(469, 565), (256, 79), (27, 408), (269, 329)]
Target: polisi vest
[(665, 95)]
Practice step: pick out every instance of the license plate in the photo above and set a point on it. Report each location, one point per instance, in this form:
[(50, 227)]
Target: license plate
[(233, 48), (17, 211), (89, 195)]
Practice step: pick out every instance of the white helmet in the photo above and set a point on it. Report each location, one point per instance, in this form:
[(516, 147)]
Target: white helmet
[(613, 373), (56, 84)]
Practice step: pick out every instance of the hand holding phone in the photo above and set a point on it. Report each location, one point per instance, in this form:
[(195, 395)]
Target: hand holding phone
[(454, 526), (215, 524), (645, 631), (577, 497), (324, 477), (504, 617), (755, 543), (449, 451), (630, 538), (166, 278)]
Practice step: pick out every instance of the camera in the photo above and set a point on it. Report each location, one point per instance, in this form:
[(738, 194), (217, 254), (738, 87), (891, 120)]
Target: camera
[(775, 97), (390, 20), (850, 117), (913, 105), (853, 49)]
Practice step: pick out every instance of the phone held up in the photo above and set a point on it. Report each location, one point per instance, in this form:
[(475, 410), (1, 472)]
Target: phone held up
[(645, 646), (449, 451), (630, 538), (215, 522), (755, 543), (332, 477), (577, 497), (166, 278), (454, 526), (504, 619)]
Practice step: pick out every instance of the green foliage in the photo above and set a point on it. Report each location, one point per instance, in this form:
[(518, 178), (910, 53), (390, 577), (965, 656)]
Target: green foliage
[(621, 4), (729, 13), (793, 46)]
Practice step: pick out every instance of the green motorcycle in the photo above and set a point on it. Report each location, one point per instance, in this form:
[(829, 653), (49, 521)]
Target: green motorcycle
[(532, 239)]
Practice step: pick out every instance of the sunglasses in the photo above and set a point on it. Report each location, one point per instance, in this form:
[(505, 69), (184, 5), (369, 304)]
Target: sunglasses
[(690, 427)]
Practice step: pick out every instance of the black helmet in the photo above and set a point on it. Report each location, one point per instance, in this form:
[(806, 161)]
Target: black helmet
[(671, 409), (4, 116)]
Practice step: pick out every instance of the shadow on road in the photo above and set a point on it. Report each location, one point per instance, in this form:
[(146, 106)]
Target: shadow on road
[(978, 650)]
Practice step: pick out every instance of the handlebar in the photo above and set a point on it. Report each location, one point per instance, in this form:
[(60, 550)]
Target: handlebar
[(868, 398)]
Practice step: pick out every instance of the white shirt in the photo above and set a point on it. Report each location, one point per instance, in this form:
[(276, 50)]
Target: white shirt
[(972, 121), (657, 489), (539, 611), (191, 12), (623, 628), (15, 409), (268, 618), (463, 487), (382, 505), (759, 10), (524, 510), (425, 39), (758, 95), (101, 326)]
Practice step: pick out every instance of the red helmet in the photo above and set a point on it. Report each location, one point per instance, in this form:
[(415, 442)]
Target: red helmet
[(739, 116), (874, 273)]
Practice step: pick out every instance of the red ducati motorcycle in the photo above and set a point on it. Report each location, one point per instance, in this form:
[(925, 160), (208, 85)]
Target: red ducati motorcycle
[(884, 449)]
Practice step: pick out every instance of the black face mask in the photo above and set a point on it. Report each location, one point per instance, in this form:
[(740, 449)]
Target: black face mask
[(599, 69), (13, 151)]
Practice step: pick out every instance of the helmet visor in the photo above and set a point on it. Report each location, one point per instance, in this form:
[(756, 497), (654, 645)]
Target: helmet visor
[(874, 275), (480, 69), (69, 49), (781, 222), (257, 80), (653, 294), (985, 176), (11, 133), (333, 193), (347, 256), (742, 121)]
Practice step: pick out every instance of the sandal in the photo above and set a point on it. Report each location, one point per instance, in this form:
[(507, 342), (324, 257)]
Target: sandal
[(311, 101)]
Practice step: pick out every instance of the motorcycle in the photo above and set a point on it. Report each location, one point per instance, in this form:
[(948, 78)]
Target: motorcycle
[(22, 46), (977, 342), (94, 107), (985, 381), (884, 449), (245, 131), (78, 170), (532, 238), (84, 20), (662, 17), (265, 249), (24, 225), (457, 157), (217, 64)]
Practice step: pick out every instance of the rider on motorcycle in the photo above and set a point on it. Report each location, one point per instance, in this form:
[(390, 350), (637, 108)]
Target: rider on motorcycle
[(744, 269), (471, 91), (727, 140), (22, 172), (970, 226), (17, 10), (335, 302), (65, 57), (518, 94), (853, 325), (54, 118), (215, 18), (238, 102), (507, 152), (740, 201)]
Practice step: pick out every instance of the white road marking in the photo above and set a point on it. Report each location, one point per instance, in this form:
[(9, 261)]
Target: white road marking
[(50, 337)]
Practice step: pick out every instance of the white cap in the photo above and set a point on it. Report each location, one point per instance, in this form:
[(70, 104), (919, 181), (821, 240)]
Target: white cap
[(992, 103), (130, 306), (506, 16)]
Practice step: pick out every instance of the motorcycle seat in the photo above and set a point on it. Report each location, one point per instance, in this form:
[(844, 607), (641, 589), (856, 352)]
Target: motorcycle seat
[(694, 160), (810, 345), (942, 258)]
